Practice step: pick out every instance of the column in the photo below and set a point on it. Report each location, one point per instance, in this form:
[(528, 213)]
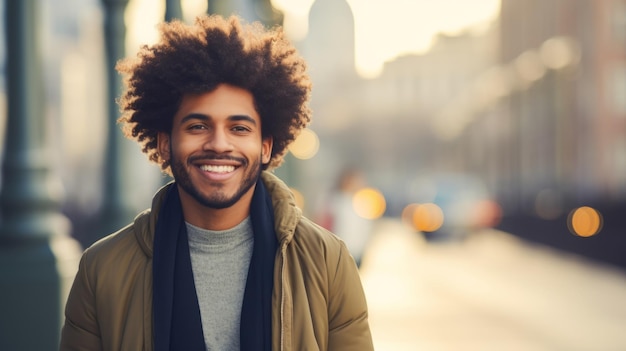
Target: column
[(38, 258), (117, 211), (173, 10)]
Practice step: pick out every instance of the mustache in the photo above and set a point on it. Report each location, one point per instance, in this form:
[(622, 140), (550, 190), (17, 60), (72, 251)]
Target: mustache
[(215, 156)]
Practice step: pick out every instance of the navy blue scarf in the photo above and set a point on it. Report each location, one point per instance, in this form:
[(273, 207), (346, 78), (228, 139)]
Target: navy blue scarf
[(176, 313)]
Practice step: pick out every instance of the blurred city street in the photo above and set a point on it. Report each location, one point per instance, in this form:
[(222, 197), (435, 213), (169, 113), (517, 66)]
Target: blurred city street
[(456, 114), (491, 292)]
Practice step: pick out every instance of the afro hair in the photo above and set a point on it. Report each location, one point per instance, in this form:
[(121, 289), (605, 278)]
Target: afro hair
[(192, 59)]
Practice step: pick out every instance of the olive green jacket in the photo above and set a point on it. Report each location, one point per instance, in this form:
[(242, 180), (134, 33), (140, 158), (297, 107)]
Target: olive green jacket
[(318, 301)]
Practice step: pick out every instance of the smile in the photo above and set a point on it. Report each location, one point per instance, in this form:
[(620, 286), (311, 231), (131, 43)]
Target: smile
[(217, 168)]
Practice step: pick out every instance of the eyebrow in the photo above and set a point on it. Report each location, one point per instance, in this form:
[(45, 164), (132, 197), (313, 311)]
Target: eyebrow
[(203, 117)]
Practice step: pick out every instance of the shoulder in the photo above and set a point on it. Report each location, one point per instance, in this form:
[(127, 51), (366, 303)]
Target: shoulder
[(310, 232), (136, 240), (114, 249), (313, 239)]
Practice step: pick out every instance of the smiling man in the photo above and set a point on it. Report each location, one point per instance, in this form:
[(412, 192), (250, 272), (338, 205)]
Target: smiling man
[(216, 151), (223, 260)]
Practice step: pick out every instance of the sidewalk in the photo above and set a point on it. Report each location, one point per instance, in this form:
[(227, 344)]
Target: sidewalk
[(493, 292)]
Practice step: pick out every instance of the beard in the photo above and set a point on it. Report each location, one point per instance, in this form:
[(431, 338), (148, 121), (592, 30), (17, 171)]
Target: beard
[(217, 199)]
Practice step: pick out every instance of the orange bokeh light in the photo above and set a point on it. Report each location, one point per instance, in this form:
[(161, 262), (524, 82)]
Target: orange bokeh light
[(584, 221), (369, 203), (427, 217)]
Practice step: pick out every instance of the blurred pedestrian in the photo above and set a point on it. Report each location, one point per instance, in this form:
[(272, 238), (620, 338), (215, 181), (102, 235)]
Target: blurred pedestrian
[(344, 221), (223, 260)]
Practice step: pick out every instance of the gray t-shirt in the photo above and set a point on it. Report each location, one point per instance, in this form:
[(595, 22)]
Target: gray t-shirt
[(220, 261)]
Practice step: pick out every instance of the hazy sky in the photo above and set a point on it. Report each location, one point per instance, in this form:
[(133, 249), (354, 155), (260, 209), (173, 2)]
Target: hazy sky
[(384, 29), (387, 28)]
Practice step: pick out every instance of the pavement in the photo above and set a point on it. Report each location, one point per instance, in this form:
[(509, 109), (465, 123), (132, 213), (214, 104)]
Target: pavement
[(493, 291)]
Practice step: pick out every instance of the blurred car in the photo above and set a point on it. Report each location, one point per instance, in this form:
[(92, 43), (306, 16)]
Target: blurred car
[(450, 206)]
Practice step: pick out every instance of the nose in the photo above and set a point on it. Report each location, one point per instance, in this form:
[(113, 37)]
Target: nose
[(218, 142)]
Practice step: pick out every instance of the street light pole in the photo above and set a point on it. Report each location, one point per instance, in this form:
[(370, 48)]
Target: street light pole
[(173, 10), (117, 210), (38, 258), (250, 10)]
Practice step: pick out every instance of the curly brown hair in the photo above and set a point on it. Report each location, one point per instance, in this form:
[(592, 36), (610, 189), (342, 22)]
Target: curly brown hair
[(191, 59)]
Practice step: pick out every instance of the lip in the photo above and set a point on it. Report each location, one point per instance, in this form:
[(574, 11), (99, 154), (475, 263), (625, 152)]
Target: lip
[(217, 176), (216, 160), (218, 165)]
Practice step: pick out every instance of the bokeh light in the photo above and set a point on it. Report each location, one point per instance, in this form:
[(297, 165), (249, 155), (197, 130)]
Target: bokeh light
[(560, 52), (306, 145), (407, 215), (487, 214), (529, 66), (428, 217), (584, 221), (369, 203)]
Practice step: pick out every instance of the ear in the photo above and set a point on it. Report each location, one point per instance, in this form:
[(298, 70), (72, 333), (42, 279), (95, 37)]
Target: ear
[(266, 150), (163, 145)]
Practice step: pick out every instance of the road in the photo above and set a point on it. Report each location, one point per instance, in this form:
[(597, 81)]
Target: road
[(491, 292)]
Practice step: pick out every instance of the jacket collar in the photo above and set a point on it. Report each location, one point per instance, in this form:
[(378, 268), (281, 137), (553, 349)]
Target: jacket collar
[(286, 214)]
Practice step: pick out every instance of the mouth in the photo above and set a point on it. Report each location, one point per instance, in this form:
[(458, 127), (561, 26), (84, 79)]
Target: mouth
[(217, 173), (219, 169)]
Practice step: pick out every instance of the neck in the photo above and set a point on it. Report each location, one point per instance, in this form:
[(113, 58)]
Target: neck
[(215, 218)]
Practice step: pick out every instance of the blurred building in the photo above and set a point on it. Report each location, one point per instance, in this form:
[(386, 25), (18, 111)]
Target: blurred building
[(329, 51), (546, 126), (385, 126), (556, 124), (533, 106), (75, 90)]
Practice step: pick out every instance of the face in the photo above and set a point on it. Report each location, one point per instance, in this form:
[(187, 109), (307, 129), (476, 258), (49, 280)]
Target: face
[(215, 148)]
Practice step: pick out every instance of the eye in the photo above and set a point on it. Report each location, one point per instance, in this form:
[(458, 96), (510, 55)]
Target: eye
[(197, 126), (240, 129)]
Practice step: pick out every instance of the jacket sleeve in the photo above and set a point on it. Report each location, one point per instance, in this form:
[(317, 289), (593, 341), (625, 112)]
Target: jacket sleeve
[(348, 317), (80, 330)]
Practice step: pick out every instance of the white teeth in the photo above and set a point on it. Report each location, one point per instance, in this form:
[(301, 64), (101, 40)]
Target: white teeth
[(217, 169)]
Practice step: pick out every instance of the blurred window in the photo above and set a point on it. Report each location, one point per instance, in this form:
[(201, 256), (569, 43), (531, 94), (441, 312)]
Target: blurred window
[(618, 22), (620, 164), (616, 81)]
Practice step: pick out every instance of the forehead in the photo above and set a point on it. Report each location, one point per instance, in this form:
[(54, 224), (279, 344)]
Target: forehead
[(220, 103)]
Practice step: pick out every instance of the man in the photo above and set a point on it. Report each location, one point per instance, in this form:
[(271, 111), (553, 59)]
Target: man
[(224, 260)]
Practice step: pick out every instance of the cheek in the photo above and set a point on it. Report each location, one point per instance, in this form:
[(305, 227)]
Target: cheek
[(183, 146)]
